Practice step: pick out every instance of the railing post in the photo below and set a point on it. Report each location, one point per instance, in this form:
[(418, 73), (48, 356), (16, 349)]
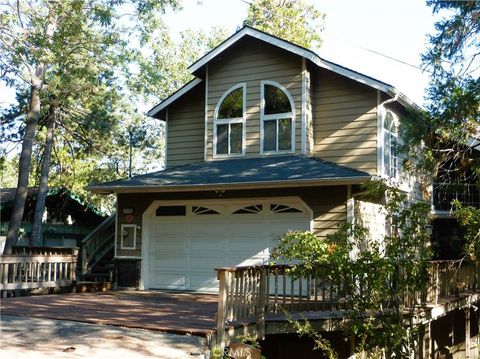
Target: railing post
[(84, 258), (262, 295), (222, 276)]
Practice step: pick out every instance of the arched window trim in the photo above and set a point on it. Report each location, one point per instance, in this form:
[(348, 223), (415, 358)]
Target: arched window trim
[(277, 116), (228, 121), (390, 170)]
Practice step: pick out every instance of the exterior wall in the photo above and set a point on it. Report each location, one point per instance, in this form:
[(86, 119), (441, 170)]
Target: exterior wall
[(252, 61), (345, 121), (327, 203), (373, 217), (185, 129)]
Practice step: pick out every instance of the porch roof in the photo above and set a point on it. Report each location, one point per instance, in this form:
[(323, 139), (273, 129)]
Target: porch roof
[(264, 172)]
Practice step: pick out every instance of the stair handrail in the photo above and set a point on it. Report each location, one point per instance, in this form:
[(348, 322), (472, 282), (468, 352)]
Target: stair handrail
[(101, 226), (91, 236)]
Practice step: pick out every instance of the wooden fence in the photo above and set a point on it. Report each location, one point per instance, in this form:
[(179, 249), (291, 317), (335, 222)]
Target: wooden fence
[(38, 267), (250, 294)]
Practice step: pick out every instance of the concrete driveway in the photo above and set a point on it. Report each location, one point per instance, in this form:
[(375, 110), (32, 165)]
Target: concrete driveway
[(24, 337)]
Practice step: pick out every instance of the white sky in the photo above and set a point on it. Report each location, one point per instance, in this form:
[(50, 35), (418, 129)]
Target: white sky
[(396, 28)]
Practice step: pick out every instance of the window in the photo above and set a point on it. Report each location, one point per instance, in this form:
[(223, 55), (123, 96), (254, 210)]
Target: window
[(390, 143), (163, 211), (128, 236), (229, 123), (277, 119)]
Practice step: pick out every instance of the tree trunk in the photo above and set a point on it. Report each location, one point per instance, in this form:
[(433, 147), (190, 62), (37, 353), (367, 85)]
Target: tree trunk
[(33, 115), (43, 183)]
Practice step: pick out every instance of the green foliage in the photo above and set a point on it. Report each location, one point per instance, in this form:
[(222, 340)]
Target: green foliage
[(444, 132), (305, 329), (469, 219), (377, 274), (292, 20)]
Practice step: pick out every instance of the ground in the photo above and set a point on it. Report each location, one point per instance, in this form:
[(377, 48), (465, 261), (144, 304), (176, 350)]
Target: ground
[(39, 338)]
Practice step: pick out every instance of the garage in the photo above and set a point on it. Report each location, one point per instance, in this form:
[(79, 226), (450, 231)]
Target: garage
[(184, 242)]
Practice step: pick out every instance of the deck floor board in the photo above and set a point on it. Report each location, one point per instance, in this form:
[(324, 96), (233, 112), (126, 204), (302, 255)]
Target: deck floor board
[(181, 313)]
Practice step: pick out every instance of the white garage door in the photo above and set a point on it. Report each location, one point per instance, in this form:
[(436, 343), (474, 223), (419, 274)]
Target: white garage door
[(186, 242)]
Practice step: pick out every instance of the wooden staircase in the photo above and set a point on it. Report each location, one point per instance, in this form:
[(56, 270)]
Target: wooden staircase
[(97, 252)]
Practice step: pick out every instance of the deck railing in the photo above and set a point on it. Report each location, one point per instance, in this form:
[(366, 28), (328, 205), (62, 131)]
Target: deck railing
[(31, 270), (249, 294), (445, 193)]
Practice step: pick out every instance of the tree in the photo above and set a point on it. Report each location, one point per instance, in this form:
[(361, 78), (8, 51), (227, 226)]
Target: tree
[(449, 137), (37, 38), (450, 134), (292, 20)]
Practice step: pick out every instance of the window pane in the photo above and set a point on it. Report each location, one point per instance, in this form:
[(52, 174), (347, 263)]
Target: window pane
[(222, 139), (389, 122), (232, 105), (270, 135), (236, 134), (275, 101), (285, 134), (386, 152), (171, 211)]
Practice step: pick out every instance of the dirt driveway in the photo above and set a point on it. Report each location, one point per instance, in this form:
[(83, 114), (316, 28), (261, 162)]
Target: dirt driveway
[(24, 337)]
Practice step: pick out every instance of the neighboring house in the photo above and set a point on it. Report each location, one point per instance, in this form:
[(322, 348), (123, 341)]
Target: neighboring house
[(66, 220), (267, 137)]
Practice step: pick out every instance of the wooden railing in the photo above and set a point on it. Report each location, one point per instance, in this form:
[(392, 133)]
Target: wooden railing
[(97, 243), (30, 271), (247, 295)]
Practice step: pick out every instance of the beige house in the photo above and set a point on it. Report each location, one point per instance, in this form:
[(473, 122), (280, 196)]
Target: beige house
[(268, 137)]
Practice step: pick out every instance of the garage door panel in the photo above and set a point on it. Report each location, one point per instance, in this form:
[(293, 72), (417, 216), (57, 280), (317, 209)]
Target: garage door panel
[(207, 245), (206, 263), (162, 280), (169, 228), (242, 261), (167, 262), (203, 283), (207, 227)]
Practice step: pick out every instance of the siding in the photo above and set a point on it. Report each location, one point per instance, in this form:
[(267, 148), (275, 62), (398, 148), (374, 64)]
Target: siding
[(344, 121), (185, 129), (252, 61), (327, 203)]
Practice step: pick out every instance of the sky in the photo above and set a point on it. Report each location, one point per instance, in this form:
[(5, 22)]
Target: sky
[(396, 28)]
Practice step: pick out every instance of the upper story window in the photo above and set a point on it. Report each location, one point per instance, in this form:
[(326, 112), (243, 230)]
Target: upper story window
[(277, 119), (229, 123), (390, 144)]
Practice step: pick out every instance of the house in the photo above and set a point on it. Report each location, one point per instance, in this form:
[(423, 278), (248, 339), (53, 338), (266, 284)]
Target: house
[(267, 137), (66, 220)]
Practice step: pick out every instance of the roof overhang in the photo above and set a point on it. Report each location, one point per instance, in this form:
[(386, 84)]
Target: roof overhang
[(339, 181)]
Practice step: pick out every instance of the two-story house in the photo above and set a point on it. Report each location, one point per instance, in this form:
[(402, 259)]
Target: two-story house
[(268, 137)]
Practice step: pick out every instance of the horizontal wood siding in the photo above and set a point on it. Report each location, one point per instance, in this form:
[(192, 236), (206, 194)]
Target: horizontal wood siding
[(252, 61), (328, 205), (185, 129), (344, 121)]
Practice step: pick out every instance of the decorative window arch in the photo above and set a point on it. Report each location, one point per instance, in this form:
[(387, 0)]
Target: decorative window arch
[(390, 144), (277, 119), (229, 122)]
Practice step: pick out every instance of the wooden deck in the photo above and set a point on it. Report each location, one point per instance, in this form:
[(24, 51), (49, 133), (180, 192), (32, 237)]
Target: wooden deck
[(180, 313)]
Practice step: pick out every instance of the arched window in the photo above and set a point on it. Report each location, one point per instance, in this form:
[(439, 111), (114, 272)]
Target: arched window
[(277, 119), (390, 143), (229, 122)]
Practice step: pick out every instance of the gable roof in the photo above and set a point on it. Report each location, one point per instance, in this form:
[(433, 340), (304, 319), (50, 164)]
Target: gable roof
[(266, 172), (290, 47)]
